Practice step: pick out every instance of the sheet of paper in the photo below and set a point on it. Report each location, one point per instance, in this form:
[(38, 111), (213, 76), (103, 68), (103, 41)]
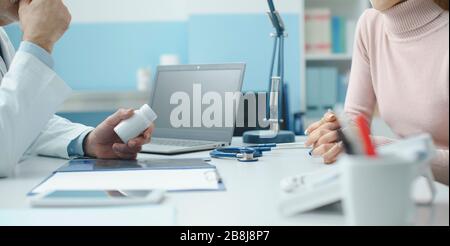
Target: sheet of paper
[(125, 216), (169, 180)]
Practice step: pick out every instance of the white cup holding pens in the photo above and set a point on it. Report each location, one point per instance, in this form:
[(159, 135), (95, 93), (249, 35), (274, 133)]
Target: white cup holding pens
[(378, 191), (377, 184)]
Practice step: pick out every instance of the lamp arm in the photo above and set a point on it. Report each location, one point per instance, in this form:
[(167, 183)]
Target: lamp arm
[(276, 19), (271, 5), (277, 69)]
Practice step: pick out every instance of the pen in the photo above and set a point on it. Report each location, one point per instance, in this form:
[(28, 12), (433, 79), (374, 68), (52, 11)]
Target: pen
[(364, 132), (348, 135), (346, 142)]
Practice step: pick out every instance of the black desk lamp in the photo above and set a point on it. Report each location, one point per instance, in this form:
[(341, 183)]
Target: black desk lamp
[(274, 135)]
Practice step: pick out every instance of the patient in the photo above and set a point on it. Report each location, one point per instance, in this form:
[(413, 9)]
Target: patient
[(401, 64)]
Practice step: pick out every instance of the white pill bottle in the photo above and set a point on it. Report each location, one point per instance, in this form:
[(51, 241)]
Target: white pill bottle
[(137, 124)]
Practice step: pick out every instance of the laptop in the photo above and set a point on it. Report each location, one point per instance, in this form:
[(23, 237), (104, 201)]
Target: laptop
[(181, 131)]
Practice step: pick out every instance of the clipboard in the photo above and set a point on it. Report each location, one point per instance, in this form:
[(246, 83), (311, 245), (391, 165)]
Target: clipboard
[(161, 174), (97, 165)]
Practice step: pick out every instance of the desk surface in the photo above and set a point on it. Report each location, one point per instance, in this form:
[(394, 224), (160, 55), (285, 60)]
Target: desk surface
[(252, 196)]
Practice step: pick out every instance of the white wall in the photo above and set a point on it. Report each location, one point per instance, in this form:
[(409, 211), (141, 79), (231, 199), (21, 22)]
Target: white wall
[(240, 6), (88, 11)]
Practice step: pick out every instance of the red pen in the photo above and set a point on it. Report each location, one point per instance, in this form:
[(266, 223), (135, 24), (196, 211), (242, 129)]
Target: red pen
[(364, 131)]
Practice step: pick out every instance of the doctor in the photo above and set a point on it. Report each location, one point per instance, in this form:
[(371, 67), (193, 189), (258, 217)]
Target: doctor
[(31, 92)]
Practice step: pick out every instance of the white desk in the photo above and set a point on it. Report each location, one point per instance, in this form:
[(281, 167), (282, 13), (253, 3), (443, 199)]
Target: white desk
[(252, 196)]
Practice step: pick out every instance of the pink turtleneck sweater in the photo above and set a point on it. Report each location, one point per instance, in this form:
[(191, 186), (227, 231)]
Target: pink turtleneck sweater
[(401, 64)]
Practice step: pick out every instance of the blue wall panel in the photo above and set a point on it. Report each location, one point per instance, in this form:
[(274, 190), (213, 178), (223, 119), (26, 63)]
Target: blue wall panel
[(106, 56), (89, 118), (245, 38)]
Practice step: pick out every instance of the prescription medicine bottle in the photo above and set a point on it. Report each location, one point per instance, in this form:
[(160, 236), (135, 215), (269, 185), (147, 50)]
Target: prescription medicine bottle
[(137, 124)]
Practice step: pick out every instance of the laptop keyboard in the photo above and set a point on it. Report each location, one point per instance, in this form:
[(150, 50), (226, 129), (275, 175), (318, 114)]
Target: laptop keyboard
[(178, 142)]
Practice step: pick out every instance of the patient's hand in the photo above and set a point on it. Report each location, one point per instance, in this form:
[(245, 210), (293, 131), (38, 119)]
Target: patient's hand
[(329, 152), (103, 142), (323, 136)]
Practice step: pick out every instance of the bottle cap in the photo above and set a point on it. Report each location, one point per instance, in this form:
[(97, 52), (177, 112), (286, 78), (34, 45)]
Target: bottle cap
[(148, 113)]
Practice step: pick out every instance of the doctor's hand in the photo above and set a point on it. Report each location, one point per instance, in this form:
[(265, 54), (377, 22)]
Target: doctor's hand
[(103, 142), (323, 137), (43, 22)]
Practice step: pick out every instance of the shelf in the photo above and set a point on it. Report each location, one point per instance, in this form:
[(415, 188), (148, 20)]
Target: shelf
[(348, 9), (94, 101), (329, 57)]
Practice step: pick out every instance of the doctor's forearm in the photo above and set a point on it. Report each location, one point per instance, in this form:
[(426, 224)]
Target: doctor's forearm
[(76, 146), (30, 94), (38, 52), (56, 139)]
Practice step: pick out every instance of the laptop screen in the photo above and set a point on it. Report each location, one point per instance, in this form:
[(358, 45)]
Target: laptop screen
[(191, 101)]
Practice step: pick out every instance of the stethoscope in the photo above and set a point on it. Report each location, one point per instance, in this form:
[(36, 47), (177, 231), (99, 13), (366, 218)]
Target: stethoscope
[(251, 153)]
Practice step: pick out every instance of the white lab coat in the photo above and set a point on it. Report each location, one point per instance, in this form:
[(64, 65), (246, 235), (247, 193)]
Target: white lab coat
[(30, 94)]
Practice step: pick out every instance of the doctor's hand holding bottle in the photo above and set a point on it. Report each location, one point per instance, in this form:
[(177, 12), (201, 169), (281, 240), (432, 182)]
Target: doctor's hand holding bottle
[(43, 22), (104, 143), (323, 137)]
